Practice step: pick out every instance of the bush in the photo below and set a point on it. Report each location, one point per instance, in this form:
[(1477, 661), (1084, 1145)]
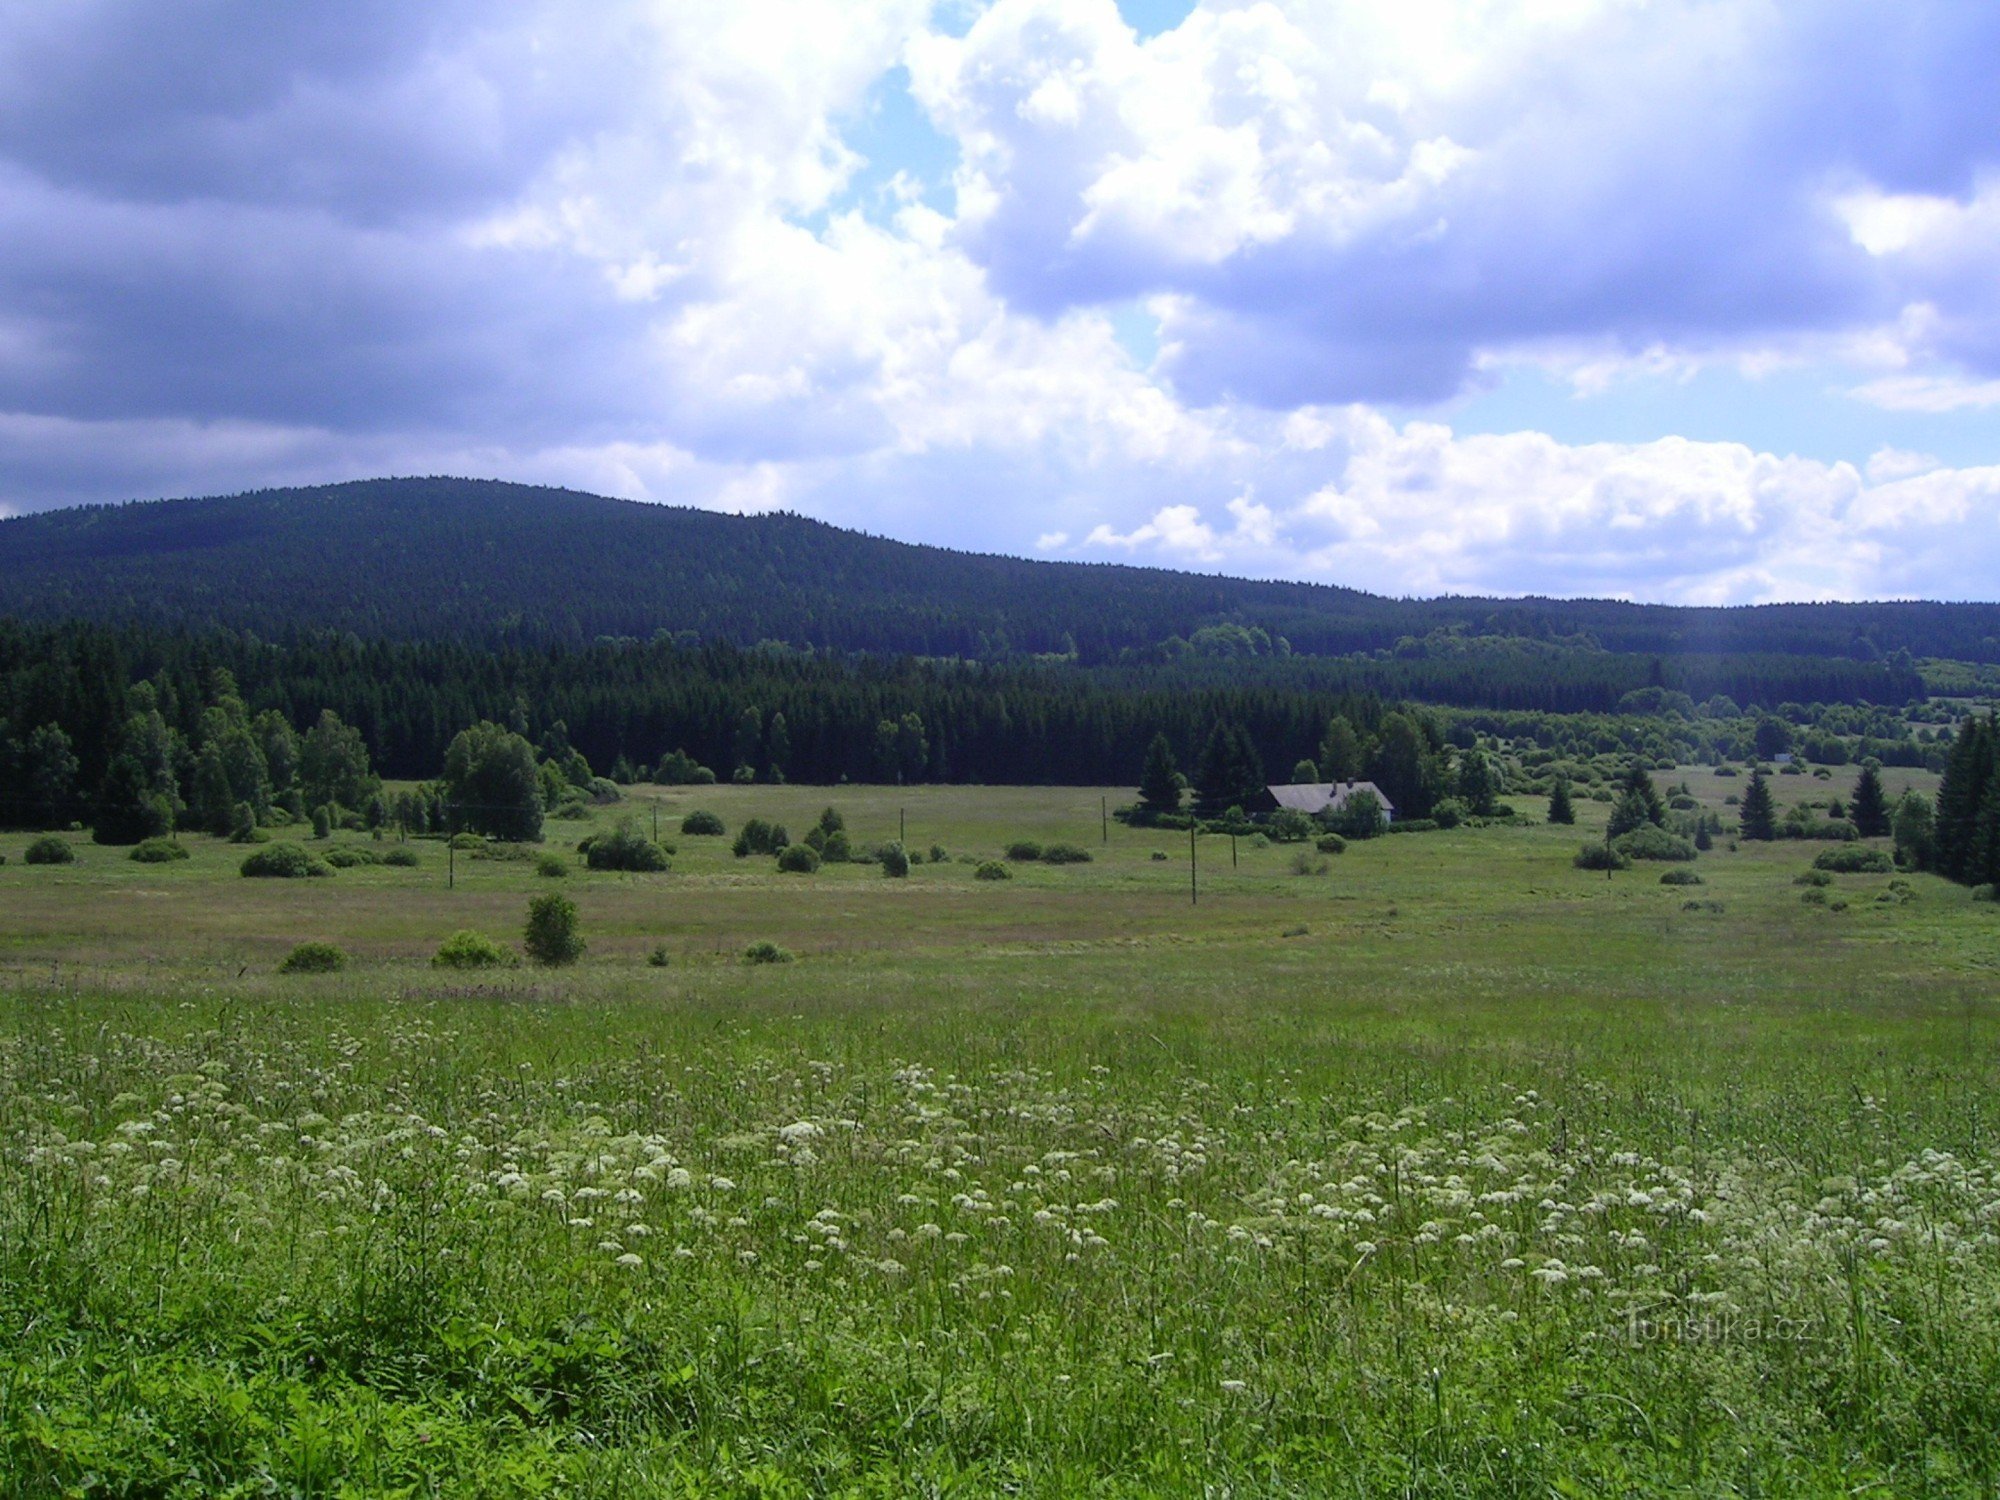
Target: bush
[(347, 856), (1449, 812), (1650, 842), (1304, 863), (286, 861), (551, 866), (1680, 877), (1065, 854), (49, 851), (895, 863), (313, 958), (1327, 843), (469, 843), (703, 824), (1159, 856), (1289, 826), (760, 837), (837, 850), (992, 869), (1410, 825), (158, 851), (798, 859), (401, 858), (1024, 851), (551, 938), (1854, 860), (938, 854), (1599, 857), (1813, 898), (1813, 877), (322, 821), (466, 949), (659, 958), (766, 953), (624, 848)]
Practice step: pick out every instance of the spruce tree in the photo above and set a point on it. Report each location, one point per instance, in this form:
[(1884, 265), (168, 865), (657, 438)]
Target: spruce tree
[(1871, 806), (1759, 813), (1638, 783), (1960, 795), (1561, 809), (1159, 778)]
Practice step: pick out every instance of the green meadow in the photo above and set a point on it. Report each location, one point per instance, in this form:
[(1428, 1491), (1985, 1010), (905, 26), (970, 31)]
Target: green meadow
[(1432, 1167)]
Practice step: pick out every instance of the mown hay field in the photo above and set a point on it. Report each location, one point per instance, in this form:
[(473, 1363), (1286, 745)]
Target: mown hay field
[(1448, 1169)]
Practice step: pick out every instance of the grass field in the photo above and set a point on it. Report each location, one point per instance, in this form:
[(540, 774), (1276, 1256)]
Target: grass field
[(1448, 1170)]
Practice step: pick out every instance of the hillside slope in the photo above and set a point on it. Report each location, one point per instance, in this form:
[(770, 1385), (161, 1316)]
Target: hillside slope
[(485, 562)]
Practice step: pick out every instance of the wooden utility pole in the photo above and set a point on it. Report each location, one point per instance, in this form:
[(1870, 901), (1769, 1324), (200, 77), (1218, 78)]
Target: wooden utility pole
[(1194, 890), (1104, 816)]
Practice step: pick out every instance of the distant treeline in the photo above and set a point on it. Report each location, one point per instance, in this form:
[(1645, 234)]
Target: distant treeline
[(497, 564), (1021, 721)]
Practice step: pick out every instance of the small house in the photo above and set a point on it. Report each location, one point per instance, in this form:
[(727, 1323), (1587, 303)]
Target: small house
[(1322, 798)]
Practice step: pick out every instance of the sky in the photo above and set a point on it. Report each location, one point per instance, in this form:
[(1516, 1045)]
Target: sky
[(1695, 301)]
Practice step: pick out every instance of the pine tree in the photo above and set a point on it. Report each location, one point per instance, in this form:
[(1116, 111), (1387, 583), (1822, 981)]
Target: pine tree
[(1960, 795), (1561, 809), (1159, 778), (1759, 813), (1638, 783), (1871, 807)]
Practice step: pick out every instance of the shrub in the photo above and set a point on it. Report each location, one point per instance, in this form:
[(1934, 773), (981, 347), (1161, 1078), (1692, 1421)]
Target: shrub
[(347, 856), (49, 851), (1160, 856), (1024, 851), (624, 848), (1680, 877), (1305, 863), (401, 858), (551, 938), (760, 837), (157, 851), (322, 820), (466, 949), (1410, 825), (837, 850), (1649, 842), (659, 958), (1326, 843), (1289, 826), (1813, 877), (895, 863), (551, 866), (1854, 860), (703, 824), (313, 958), (1599, 857), (992, 869), (1449, 812), (766, 953), (798, 859), (1065, 854), (243, 825), (938, 854), (469, 843), (1813, 898), (286, 861)]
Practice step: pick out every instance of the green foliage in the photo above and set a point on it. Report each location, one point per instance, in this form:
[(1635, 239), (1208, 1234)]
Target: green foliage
[(1648, 842), (322, 822), (894, 860), (1915, 832), (551, 866), (1561, 809), (1160, 778), (760, 837), (1601, 857), (703, 824), (1330, 843), (466, 949), (1289, 826), (130, 806), (1063, 854), (1758, 814), (1360, 817), (49, 850), (1024, 851), (286, 861), (493, 784), (658, 957), (1680, 877), (1305, 773), (1306, 863), (552, 937), (1449, 812), (992, 869), (798, 859), (677, 768), (1854, 860), (158, 851), (401, 857), (313, 958), (623, 848), (349, 856), (767, 952), (1230, 770)]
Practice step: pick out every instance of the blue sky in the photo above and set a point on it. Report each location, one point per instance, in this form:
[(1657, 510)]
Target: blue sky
[(1690, 300)]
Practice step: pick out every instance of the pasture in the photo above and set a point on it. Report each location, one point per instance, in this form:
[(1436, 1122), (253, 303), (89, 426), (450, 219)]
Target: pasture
[(1444, 1169)]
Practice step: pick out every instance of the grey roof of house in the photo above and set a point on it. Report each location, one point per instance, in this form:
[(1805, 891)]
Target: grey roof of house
[(1321, 796)]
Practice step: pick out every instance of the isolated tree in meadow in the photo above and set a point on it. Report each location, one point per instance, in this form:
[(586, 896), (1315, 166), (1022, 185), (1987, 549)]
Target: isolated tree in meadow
[(334, 766), (1759, 813), (1160, 778), (492, 783), (1639, 784), (1561, 809), (552, 938), (1871, 805)]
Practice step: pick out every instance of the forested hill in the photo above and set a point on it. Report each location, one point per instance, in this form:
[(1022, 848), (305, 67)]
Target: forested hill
[(482, 562)]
